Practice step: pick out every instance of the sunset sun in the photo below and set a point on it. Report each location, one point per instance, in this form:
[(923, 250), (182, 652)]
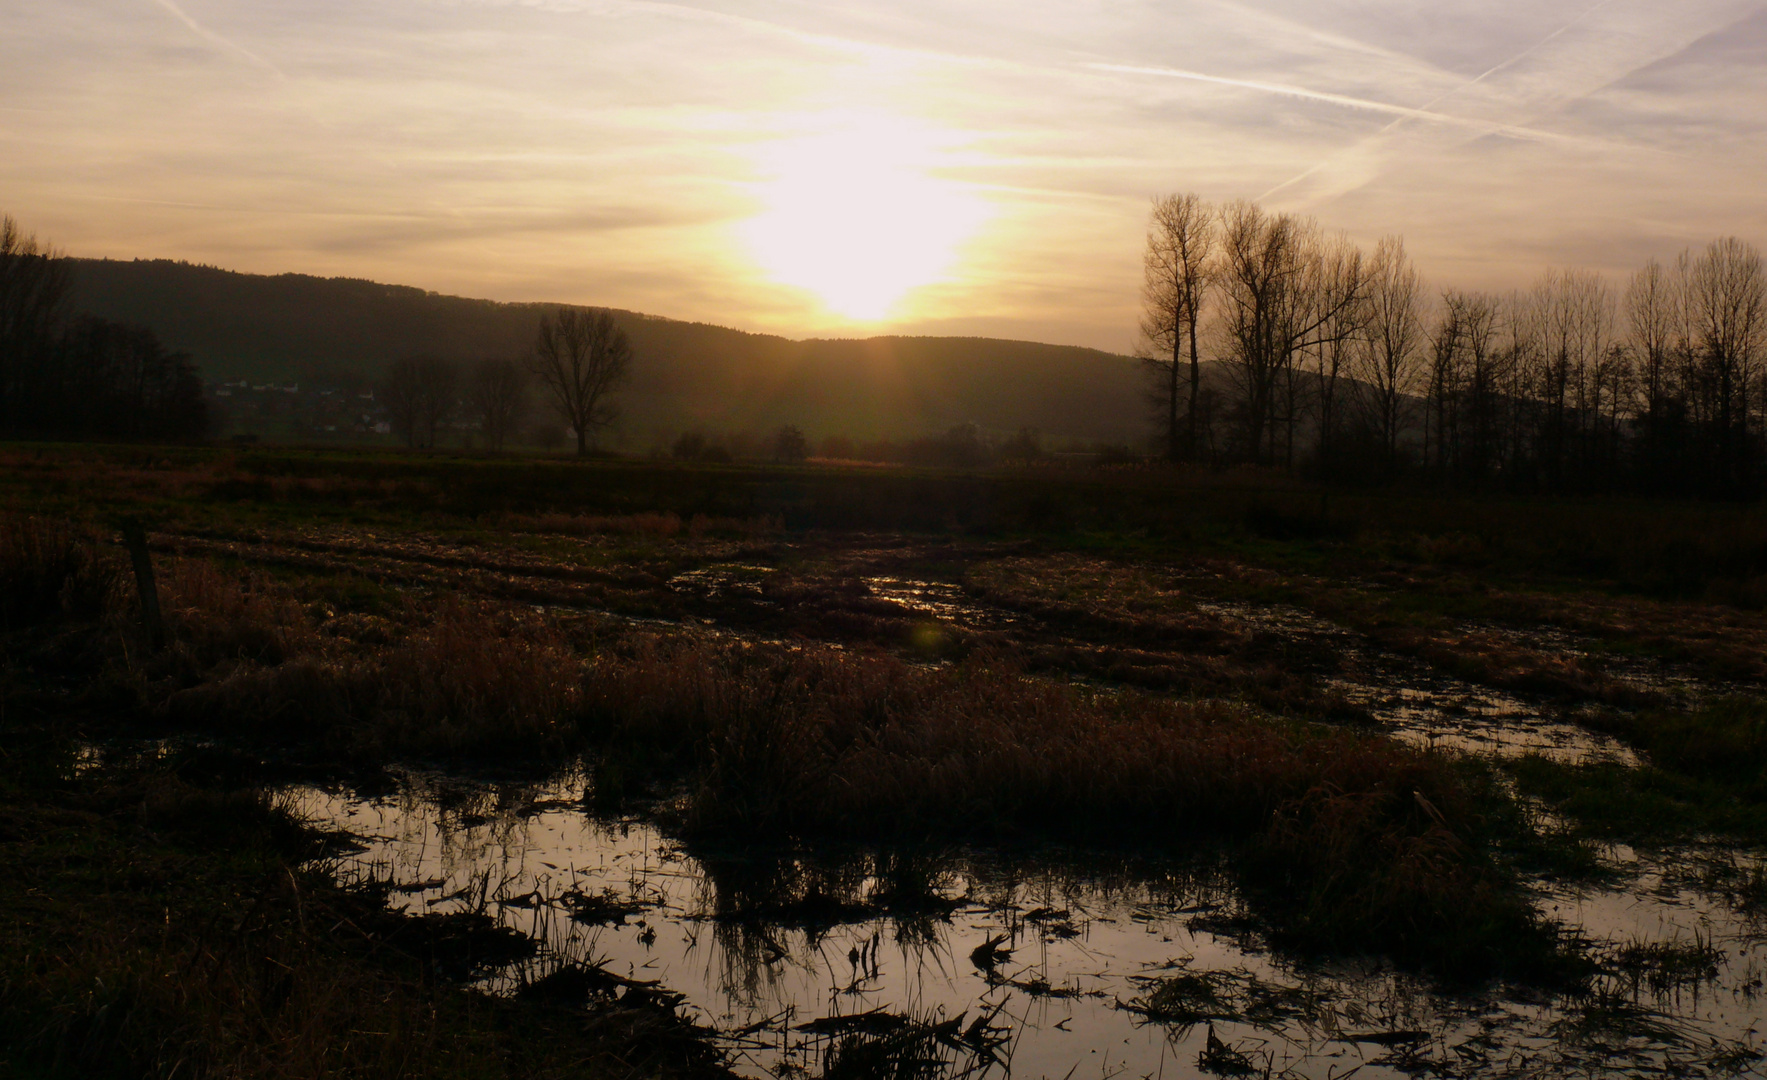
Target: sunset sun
[(858, 215)]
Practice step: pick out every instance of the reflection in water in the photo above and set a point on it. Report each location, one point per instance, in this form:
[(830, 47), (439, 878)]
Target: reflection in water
[(1055, 964)]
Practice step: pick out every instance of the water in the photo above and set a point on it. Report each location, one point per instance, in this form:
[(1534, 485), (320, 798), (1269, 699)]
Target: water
[(761, 945)]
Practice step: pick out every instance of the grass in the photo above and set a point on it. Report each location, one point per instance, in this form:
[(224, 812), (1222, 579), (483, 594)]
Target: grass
[(369, 605), (1348, 841), (1705, 774)]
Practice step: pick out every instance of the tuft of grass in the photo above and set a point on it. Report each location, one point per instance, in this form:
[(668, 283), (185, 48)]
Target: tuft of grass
[(51, 567), (1349, 841), (478, 678), (1723, 742), (1706, 773), (1662, 966)]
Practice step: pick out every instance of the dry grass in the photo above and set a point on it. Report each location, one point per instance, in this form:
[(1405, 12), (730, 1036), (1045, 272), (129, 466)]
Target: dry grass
[(51, 567), (1353, 841), (472, 677), (653, 525)]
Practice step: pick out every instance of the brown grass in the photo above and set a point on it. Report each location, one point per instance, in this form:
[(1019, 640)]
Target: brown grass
[(50, 568), (1353, 841), (472, 678), (655, 525)]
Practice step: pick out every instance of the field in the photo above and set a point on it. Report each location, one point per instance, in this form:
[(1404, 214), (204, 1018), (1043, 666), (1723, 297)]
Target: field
[(1383, 725)]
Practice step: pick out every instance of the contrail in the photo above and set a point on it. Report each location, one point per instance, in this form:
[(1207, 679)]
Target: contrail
[(1430, 105), (1403, 112), (216, 39)]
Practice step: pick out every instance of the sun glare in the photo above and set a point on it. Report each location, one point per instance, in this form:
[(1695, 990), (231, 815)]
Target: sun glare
[(856, 215)]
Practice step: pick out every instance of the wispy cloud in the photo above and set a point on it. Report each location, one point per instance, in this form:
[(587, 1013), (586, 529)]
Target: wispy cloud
[(224, 44), (604, 150)]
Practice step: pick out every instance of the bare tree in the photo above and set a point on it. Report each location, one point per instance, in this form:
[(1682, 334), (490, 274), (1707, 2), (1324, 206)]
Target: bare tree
[(1388, 364), (496, 396), (790, 445), (1181, 236), (33, 284), (1276, 301), (1727, 300), (419, 393), (1576, 314), (580, 356), (1341, 292)]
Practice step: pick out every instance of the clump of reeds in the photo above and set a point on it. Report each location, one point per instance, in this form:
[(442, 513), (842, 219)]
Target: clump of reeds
[(476, 677), (51, 567), (1352, 841), (217, 614)]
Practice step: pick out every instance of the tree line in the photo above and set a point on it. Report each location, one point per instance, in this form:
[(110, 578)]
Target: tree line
[(82, 377), (1343, 363), (579, 358)]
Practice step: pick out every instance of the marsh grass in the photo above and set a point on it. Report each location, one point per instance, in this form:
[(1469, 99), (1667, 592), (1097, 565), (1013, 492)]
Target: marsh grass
[(51, 567), (1663, 966), (1348, 841), (1705, 773), (473, 678), (1344, 841)]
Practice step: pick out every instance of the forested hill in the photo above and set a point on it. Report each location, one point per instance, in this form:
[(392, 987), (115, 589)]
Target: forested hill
[(685, 375)]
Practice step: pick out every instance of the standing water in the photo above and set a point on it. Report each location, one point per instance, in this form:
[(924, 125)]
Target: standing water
[(1050, 964)]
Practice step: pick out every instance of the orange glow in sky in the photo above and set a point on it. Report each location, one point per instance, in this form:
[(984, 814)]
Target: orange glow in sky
[(857, 215)]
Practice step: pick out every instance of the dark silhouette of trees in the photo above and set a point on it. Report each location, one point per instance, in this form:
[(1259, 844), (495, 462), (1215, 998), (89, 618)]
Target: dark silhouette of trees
[(580, 357), (1281, 295), (790, 445), (1727, 310), (419, 394), (33, 284), (85, 378), (1387, 361), (496, 397), (1564, 387), (1178, 267)]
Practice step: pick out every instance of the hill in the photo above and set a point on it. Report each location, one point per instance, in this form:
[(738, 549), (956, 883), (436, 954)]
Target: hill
[(344, 331)]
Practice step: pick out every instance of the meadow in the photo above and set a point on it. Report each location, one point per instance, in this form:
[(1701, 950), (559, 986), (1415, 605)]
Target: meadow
[(1387, 715)]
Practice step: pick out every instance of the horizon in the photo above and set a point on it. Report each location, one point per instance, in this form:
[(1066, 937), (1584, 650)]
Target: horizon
[(868, 170)]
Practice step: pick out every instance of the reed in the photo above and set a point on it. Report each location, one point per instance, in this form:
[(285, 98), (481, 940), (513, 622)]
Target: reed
[(1347, 841), (51, 567)]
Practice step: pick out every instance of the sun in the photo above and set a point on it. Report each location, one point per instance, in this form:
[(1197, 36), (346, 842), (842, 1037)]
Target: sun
[(856, 214)]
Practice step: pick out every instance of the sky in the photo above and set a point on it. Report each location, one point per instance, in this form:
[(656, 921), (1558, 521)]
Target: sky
[(886, 166)]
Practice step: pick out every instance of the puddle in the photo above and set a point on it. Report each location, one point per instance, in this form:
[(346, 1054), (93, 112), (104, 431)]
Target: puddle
[(780, 954), (938, 600), (1420, 705), (724, 579)]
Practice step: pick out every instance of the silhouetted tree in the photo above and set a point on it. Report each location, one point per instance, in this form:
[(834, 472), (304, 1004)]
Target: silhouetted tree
[(790, 445), (1727, 309), (33, 285), (580, 357), (1277, 299), (496, 396), (1027, 445), (1387, 363), (419, 394), (1178, 268)]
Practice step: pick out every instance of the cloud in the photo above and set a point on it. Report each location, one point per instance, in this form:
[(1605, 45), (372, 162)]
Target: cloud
[(224, 44), (604, 150)]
